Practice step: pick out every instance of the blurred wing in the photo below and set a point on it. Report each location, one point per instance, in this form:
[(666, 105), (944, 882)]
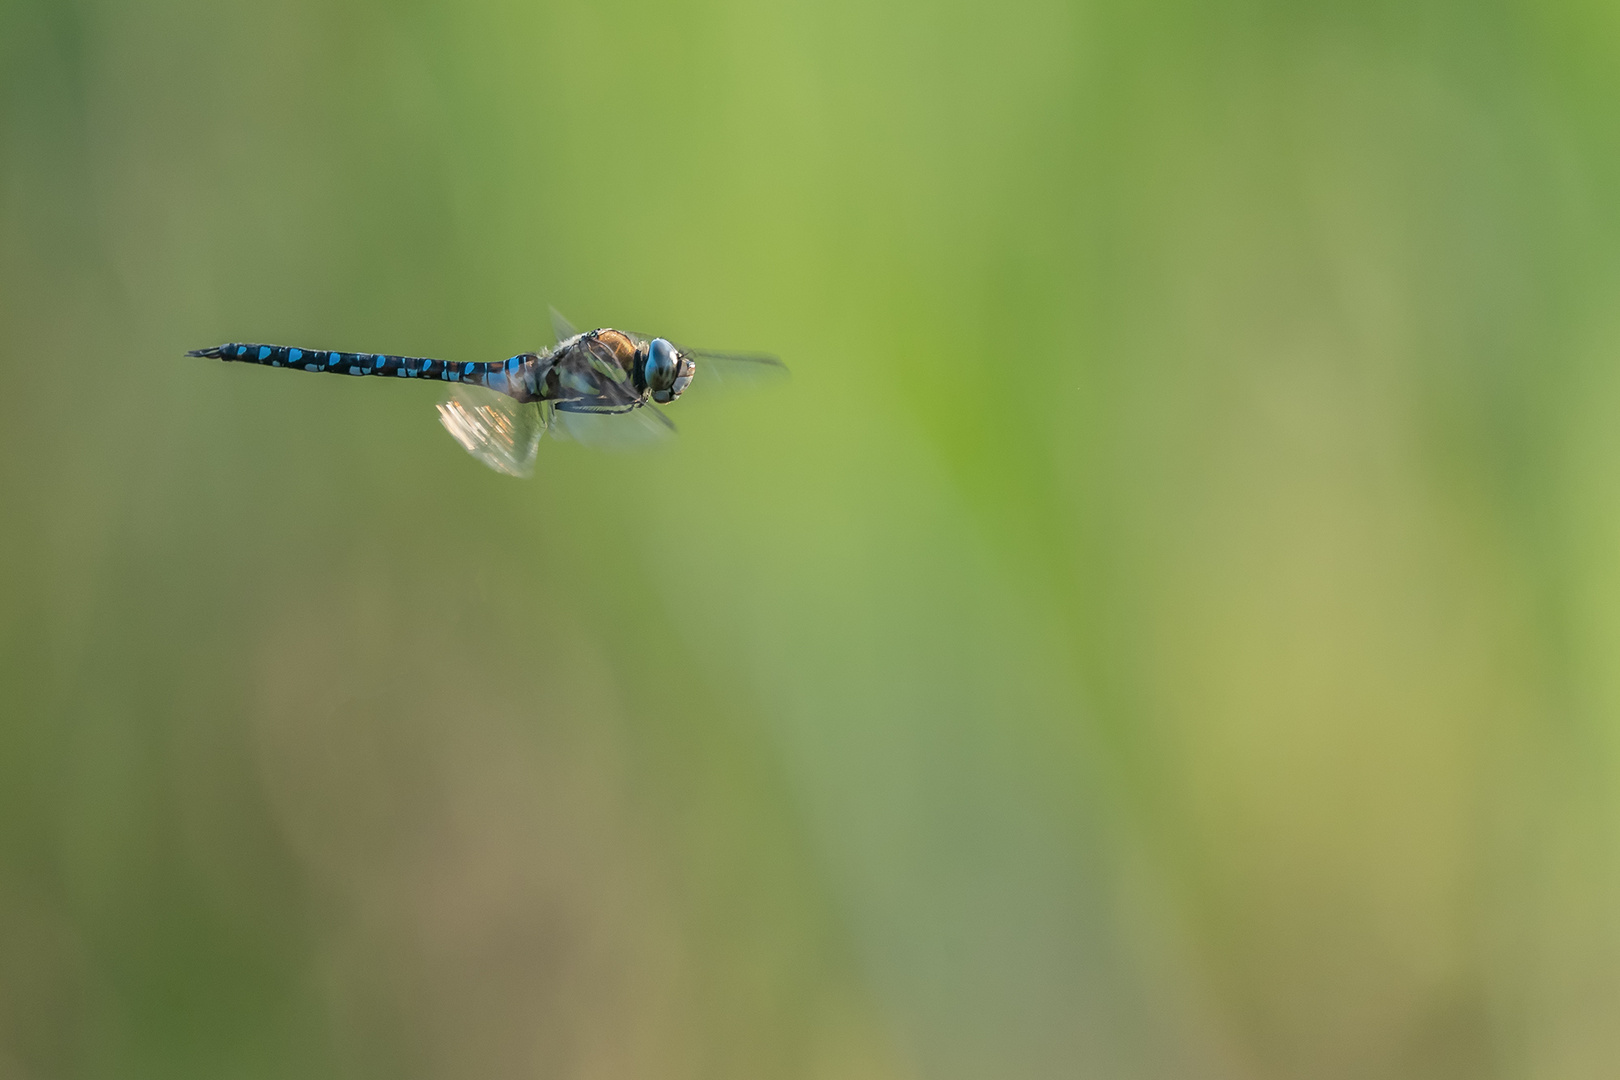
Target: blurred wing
[(561, 326), (716, 371), (588, 369), (638, 428), (495, 429)]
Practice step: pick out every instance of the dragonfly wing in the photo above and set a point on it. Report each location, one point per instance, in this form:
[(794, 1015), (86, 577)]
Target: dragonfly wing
[(589, 371), (561, 327), (661, 416), (502, 433), (638, 427), (729, 371)]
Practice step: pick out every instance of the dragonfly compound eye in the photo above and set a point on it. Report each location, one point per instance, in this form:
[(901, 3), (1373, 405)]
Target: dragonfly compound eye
[(661, 364), (683, 376)]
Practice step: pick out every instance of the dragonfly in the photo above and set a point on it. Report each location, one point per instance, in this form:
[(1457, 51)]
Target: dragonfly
[(599, 388)]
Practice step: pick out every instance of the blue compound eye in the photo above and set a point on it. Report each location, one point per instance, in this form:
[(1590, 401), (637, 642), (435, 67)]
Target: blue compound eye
[(661, 364)]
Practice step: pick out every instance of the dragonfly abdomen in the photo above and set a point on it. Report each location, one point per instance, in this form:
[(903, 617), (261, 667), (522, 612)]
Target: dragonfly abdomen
[(521, 376)]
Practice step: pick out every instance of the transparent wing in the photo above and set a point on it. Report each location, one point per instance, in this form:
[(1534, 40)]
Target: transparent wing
[(561, 326), (638, 428), (601, 360), (495, 429), (717, 370), (589, 371)]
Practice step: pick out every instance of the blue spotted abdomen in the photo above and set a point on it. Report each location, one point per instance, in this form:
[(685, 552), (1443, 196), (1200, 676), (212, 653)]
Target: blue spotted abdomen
[(520, 377)]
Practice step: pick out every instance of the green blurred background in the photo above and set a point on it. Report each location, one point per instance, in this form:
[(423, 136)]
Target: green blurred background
[(1168, 628)]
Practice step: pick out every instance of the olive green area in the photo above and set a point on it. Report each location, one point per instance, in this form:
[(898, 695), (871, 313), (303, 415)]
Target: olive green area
[(1168, 627)]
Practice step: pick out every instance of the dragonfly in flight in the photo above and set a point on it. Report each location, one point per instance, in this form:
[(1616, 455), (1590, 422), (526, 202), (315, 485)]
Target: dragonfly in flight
[(600, 388)]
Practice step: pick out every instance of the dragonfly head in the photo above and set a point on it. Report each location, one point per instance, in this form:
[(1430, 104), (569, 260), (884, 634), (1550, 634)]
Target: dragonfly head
[(667, 370)]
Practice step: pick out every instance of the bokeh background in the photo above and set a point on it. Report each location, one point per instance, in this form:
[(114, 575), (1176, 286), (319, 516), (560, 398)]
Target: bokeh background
[(1169, 627)]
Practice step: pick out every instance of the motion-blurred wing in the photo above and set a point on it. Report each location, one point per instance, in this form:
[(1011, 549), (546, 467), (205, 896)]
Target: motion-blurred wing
[(561, 326), (590, 371), (495, 429), (637, 428), (732, 370)]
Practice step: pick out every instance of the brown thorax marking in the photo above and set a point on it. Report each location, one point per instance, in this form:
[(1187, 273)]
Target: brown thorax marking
[(624, 350)]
